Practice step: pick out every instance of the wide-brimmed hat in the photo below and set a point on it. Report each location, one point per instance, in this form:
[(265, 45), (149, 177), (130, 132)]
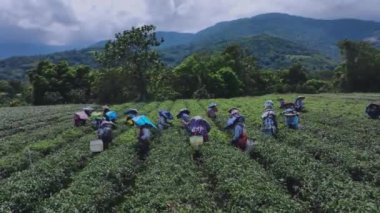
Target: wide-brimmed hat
[(231, 109), (212, 105), (165, 114), (88, 108), (301, 97), (183, 111), (234, 111), (374, 104), (111, 115), (131, 112), (142, 120), (268, 104)]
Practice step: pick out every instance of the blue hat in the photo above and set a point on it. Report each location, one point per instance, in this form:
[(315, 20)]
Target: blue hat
[(143, 120), (111, 115)]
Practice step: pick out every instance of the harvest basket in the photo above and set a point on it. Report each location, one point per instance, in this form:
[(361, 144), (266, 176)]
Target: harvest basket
[(196, 141)]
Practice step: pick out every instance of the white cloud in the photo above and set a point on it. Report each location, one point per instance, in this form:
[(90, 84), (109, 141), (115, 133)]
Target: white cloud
[(99, 18)]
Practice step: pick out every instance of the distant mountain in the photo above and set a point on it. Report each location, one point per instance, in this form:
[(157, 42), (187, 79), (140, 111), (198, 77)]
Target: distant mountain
[(174, 39), (28, 49), (17, 67)]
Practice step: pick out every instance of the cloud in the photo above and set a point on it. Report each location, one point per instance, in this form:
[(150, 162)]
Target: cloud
[(72, 21), (101, 19), (36, 21)]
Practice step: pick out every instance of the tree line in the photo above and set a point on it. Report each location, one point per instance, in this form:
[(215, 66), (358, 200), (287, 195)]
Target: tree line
[(131, 70)]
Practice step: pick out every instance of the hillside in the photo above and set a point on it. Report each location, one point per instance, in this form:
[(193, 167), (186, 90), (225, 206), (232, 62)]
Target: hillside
[(271, 52), (331, 164)]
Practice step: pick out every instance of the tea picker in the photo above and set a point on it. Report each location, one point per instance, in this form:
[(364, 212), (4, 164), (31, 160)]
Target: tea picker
[(81, 117), (111, 116), (165, 119), (104, 134), (144, 136), (373, 110), (96, 119), (199, 129), (212, 110), (299, 104), (129, 115), (184, 116), (233, 113), (269, 119), (291, 116), (106, 109), (239, 133)]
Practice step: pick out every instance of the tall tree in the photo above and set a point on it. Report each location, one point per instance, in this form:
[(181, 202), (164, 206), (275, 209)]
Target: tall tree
[(296, 75), (360, 69), (132, 51), (58, 79), (244, 65), (39, 78)]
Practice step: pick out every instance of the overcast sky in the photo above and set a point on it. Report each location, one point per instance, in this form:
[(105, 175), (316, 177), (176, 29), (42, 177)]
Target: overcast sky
[(60, 22)]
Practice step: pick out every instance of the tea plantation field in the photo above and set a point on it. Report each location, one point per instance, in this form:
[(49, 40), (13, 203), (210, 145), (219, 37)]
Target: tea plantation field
[(332, 164)]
